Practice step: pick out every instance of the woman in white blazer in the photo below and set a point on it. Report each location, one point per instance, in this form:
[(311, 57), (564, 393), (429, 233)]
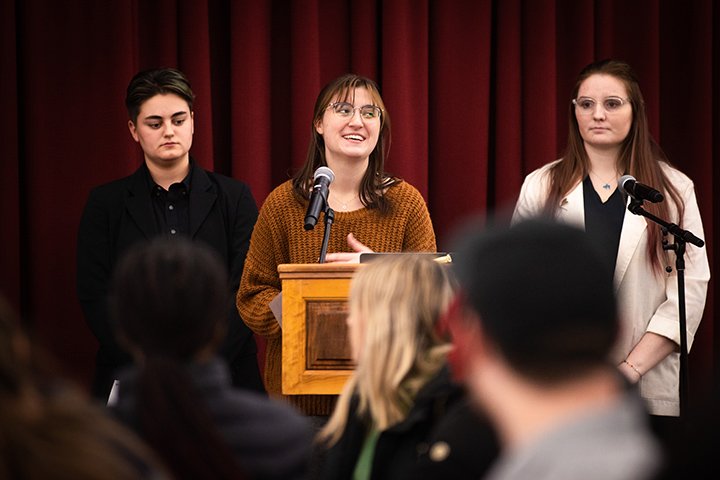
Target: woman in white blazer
[(609, 137)]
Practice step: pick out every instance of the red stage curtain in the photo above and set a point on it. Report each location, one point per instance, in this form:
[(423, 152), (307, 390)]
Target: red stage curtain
[(477, 91)]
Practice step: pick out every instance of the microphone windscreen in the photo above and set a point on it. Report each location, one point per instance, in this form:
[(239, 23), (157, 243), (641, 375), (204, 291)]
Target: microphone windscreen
[(324, 172), (624, 179)]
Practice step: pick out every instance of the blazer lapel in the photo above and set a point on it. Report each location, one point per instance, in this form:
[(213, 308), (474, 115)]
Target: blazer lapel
[(202, 199), (572, 207), (139, 204), (633, 228)]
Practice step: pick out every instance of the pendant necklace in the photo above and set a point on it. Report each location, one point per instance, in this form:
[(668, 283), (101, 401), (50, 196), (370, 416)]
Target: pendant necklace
[(606, 185), (344, 203)]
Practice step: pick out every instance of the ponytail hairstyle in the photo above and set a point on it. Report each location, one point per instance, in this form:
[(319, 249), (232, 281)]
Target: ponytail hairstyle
[(170, 299)]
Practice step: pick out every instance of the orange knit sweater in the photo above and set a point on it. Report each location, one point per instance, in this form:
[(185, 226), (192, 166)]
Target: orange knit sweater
[(279, 238)]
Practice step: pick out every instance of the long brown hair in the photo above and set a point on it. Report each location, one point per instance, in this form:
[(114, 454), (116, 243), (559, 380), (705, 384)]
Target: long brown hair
[(375, 179), (640, 156)]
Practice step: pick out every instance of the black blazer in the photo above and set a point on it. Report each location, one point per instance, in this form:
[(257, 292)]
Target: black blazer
[(222, 214)]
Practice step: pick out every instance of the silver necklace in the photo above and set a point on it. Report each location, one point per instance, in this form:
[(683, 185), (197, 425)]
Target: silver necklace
[(605, 184), (344, 204)]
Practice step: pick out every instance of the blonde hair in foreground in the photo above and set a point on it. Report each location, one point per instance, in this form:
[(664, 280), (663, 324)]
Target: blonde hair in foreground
[(399, 300)]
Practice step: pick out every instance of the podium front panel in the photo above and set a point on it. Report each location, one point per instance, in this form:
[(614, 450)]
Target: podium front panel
[(328, 347), (316, 355)]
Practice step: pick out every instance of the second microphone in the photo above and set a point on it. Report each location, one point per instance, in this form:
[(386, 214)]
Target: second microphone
[(639, 191)]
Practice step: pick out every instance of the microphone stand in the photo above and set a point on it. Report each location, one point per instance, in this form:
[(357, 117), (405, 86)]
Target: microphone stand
[(681, 237), (329, 217)]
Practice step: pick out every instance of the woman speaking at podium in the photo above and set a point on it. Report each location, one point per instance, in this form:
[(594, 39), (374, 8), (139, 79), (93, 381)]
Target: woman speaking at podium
[(374, 211)]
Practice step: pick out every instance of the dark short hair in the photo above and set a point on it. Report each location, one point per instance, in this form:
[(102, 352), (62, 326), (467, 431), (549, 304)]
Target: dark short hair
[(169, 296), (148, 83), (543, 295)]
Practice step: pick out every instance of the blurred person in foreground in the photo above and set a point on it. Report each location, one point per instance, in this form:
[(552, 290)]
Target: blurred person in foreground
[(169, 300), (400, 416), (50, 430), (533, 327)]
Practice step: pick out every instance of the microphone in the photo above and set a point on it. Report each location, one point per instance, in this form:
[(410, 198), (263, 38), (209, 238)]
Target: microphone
[(322, 179), (637, 190)]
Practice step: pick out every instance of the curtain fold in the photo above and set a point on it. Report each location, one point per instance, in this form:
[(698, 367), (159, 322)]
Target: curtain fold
[(10, 168), (459, 110), (478, 93)]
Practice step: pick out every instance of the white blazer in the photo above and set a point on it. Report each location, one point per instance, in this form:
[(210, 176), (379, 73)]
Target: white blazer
[(647, 301)]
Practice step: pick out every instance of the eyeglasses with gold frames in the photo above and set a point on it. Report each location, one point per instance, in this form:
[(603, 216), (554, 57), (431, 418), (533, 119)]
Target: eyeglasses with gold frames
[(347, 110)]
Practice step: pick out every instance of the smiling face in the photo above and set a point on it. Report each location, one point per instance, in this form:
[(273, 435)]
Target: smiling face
[(600, 128), (349, 137), (164, 129)]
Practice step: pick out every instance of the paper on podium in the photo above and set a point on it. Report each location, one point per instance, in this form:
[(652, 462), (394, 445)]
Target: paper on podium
[(440, 257), (276, 308), (112, 398)]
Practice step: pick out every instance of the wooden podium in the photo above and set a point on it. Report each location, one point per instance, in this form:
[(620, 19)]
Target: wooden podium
[(316, 355)]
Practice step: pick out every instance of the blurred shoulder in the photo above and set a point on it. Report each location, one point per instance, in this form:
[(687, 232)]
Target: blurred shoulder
[(248, 418)]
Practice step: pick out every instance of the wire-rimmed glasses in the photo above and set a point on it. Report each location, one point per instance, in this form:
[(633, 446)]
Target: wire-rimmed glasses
[(347, 110)]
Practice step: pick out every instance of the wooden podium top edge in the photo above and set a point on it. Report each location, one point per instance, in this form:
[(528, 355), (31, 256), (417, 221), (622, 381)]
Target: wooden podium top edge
[(327, 270)]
